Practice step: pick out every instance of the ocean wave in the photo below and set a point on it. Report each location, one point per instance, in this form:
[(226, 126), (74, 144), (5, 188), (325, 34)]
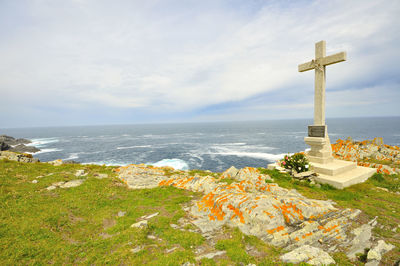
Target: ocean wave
[(72, 156), (234, 144), (108, 163), (177, 164), (42, 142), (133, 147), (46, 151), (256, 155)]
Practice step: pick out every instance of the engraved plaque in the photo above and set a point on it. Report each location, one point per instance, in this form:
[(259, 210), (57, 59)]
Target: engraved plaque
[(316, 131)]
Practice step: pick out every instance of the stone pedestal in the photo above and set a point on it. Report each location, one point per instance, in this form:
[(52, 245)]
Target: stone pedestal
[(321, 150)]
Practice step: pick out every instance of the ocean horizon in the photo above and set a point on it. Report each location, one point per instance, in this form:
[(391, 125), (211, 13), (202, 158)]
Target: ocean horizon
[(213, 146)]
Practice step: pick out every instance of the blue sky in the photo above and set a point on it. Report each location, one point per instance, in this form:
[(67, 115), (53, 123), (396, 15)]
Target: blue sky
[(115, 62)]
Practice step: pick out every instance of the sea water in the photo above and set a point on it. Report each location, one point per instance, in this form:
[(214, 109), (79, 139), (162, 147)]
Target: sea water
[(207, 146)]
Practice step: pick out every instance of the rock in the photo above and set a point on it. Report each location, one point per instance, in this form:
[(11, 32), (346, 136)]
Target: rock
[(147, 217), (141, 176), (278, 216), (230, 173), (57, 162), (211, 255), (152, 237), (100, 176), (303, 174), (13, 156), (34, 181), (22, 148), (121, 214), (136, 249), (80, 173), (71, 162), (4, 146), (171, 250), (12, 141), (140, 224), (51, 187), (308, 254), (361, 240), (379, 250), (72, 183)]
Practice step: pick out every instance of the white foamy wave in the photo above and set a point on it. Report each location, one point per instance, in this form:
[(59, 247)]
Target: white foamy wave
[(42, 142), (256, 155), (108, 163), (177, 164), (46, 150), (235, 144), (72, 156), (133, 147)]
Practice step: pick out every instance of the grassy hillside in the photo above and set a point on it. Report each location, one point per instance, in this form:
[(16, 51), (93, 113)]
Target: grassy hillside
[(91, 223)]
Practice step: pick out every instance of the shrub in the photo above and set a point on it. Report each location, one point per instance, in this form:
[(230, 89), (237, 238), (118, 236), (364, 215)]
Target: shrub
[(297, 162)]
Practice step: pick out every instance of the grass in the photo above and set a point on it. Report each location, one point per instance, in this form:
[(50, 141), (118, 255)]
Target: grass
[(80, 225), (368, 197)]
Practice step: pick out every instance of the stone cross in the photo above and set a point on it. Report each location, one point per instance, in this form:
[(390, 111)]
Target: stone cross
[(318, 139), (319, 63)]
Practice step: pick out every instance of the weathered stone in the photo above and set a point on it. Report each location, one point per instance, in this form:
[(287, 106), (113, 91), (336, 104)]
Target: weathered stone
[(80, 173), (19, 157), (147, 217), (361, 240), (303, 174), (308, 254), (230, 173), (57, 162), (140, 224), (100, 176), (211, 255), (141, 176), (121, 214), (377, 252), (136, 249), (72, 183), (34, 181)]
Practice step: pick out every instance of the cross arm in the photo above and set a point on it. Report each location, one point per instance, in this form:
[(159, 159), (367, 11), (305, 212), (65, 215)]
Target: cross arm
[(332, 59), (307, 66)]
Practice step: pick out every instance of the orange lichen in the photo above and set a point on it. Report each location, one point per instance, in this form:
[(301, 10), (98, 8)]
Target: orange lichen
[(237, 213)]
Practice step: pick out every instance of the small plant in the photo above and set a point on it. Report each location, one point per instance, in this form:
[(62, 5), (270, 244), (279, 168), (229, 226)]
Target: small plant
[(297, 162)]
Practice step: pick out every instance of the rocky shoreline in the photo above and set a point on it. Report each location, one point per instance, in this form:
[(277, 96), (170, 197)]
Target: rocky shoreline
[(8, 143)]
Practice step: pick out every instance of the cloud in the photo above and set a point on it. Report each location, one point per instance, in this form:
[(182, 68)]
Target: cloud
[(178, 57)]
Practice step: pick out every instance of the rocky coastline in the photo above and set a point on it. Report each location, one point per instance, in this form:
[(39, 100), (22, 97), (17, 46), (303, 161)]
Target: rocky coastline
[(8, 143)]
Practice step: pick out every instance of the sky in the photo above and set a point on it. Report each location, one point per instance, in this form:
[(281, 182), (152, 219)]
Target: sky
[(97, 62)]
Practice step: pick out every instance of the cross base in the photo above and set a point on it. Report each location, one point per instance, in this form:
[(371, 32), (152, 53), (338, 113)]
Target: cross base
[(321, 150)]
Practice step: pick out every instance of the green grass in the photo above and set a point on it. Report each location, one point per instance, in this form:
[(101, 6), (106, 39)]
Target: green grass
[(80, 225), (366, 196)]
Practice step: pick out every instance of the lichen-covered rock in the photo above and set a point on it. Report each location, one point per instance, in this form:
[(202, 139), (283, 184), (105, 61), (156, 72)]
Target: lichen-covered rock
[(19, 157), (368, 149), (279, 216), (308, 254), (141, 176)]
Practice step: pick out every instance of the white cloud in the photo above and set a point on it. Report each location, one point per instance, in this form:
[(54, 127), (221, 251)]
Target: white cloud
[(177, 57)]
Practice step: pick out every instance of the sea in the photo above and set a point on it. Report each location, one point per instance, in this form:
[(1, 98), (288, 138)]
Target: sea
[(207, 146)]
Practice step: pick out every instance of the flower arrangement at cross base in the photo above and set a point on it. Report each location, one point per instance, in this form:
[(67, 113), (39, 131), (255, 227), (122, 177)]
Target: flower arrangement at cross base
[(296, 163)]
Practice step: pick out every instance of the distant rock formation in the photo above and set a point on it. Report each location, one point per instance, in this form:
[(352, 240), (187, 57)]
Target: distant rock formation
[(8, 143)]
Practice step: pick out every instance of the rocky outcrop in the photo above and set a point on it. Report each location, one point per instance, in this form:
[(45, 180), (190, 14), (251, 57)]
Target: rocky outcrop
[(308, 254), (16, 145), (23, 148), (370, 153), (19, 157), (257, 206)]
